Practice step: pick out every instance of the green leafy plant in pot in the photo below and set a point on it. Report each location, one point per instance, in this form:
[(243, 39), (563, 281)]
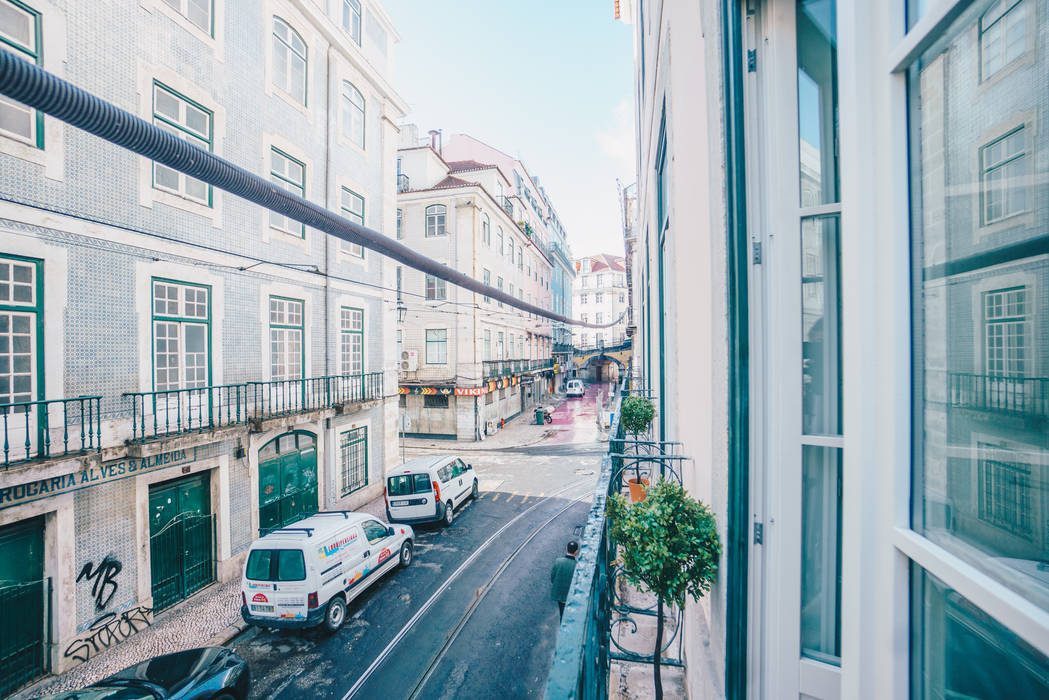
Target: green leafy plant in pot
[(669, 544), (636, 414)]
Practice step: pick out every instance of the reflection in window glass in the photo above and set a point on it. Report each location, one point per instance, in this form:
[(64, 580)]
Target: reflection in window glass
[(818, 101), (981, 331), (820, 327), (958, 651), (821, 553)]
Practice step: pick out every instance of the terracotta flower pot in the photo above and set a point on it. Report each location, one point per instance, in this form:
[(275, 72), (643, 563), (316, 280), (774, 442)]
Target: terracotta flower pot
[(637, 489)]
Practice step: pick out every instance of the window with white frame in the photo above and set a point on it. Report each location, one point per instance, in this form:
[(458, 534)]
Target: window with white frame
[(583, 318), (21, 32), (599, 317), (1003, 35), (399, 234), (351, 340), (1006, 492), (486, 230), (352, 207), (352, 113), (288, 174), (353, 453), (499, 286), (598, 298), (499, 240), (436, 346), (435, 220), (487, 344), (286, 334), (1003, 178), (350, 18), (289, 60), (1005, 321), (436, 288), (500, 348), (199, 12), (21, 311), (486, 277), (181, 335), (190, 122), (583, 299)]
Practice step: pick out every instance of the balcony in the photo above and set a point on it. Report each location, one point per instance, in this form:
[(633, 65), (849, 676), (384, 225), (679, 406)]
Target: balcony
[(1022, 396), (160, 414), (506, 204), (403, 183), (35, 430)]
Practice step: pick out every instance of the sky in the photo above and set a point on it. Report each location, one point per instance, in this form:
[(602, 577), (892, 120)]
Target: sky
[(548, 81)]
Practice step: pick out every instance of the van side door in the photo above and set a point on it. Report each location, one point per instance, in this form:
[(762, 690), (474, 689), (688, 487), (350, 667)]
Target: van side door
[(462, 479), (355, 561), (380, 544)]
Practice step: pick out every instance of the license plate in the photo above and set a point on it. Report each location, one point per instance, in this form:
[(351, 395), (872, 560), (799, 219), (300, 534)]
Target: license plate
[(262, 608), (399, 503)]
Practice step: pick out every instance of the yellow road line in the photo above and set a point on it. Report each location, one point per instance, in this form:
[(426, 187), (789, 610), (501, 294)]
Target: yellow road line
[(495, 497)]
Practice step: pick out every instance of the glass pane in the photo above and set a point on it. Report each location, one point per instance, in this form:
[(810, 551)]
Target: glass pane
[(821, 553), (818, 101), (820, 326), (981, 404), (16, 119), (958, 651)]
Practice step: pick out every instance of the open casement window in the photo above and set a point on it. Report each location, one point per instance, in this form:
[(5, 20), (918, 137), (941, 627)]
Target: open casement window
[(199, 12), (190, 122), (181, 336), (351, 341), (289, 60), (286, 334), (21, 33), (435, 220), (352, 114), (352, 207), (289, 174)]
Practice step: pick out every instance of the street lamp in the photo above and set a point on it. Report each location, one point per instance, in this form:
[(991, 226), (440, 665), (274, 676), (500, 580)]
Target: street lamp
[(402, 311)]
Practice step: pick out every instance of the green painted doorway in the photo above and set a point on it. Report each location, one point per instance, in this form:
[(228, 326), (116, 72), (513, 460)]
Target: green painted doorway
[(287, 480), (25, 597), (181, 539)]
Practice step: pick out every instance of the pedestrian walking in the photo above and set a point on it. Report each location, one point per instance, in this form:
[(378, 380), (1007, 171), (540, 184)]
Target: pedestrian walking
[(561, 575)]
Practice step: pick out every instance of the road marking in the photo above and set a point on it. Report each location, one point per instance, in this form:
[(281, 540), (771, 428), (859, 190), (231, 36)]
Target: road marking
[(495, 497), (444, 586)]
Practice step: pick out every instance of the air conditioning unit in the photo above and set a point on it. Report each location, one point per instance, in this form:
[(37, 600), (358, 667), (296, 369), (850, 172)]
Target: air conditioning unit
[(409, 361)]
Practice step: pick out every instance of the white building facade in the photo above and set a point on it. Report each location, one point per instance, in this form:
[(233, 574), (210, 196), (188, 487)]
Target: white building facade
[(180, 370), (468, 363), (839, 272), (599, 296)]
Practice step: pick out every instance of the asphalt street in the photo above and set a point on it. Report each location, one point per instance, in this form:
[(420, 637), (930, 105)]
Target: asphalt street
[(472, 616)]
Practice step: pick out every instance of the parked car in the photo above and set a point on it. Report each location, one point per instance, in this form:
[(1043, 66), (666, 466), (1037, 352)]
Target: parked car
[(214, 673), (575, 387), (429, 489), (306, 574)]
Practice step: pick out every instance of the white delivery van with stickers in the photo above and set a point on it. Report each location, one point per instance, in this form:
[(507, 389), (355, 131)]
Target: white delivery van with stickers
[(306, 574)]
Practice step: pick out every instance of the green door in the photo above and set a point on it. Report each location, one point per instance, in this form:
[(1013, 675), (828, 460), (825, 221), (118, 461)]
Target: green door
[(24, 599), (287, 480), (181, 539)]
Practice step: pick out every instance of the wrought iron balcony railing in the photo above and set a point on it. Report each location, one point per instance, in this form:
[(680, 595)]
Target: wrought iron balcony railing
[(507, 204), (1027, 396), (403, 183), (156, 414), (52, 428)]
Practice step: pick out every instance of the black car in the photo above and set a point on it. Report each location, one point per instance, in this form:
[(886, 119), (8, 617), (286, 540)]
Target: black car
[(211, 673)]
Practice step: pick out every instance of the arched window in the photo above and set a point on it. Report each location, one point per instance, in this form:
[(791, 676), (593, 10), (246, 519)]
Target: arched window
[(486, 230), (435, 217), (352, 113), (289, 60)]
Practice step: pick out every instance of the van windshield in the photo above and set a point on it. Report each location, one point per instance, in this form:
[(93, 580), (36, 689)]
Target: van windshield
[(276, 565), (407, 484)]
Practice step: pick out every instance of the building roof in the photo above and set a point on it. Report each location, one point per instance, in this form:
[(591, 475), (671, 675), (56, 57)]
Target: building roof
[(604, 261), (459, 166), (450, 182)]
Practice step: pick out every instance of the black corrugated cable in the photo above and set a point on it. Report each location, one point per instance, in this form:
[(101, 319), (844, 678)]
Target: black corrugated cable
[(33, 86)]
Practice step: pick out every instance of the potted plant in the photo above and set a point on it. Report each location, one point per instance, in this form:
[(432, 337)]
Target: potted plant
[(669, 544), (636, 414)]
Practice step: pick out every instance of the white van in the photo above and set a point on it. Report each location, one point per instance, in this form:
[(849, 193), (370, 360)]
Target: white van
[(575, 388), (305, 574), (428, 489)]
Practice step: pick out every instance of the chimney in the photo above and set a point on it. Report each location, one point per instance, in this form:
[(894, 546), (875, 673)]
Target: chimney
[(436, 141)]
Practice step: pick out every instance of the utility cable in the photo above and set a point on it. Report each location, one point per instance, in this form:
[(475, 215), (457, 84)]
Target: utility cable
[(35, 87)]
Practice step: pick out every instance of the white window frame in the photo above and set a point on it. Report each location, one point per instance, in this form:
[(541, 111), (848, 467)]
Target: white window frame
[(179, 126), (285, 333), (286, 46), (32, 53), (353, 113), (183, 7), (284, 180), (179, 313), (436, 340), (351, 205), (436, 220), (351, 340)]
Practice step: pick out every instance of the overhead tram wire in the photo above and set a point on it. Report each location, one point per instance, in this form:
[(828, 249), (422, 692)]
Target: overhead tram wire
[(35, 87)]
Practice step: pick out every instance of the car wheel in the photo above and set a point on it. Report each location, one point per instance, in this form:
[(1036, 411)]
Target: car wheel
[(473, 491), (406, 554), (335, 614), (449, 514)]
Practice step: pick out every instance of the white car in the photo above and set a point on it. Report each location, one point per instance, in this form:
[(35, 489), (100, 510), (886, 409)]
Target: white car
[(575, 388), (429, 489), (306, 574)]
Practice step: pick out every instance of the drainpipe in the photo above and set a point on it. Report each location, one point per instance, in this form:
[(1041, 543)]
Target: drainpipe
[(328, 205), (473, 273)]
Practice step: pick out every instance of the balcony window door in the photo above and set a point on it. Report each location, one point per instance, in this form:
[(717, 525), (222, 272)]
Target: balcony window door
[(21, 347), (286, 333), (351, 345), (181, 354)]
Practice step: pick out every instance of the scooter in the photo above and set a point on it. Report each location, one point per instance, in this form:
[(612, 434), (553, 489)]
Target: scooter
[(547, 414)]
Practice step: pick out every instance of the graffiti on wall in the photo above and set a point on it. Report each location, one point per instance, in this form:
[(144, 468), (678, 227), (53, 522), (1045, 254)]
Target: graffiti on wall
[(108, 630), (104, 587)]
